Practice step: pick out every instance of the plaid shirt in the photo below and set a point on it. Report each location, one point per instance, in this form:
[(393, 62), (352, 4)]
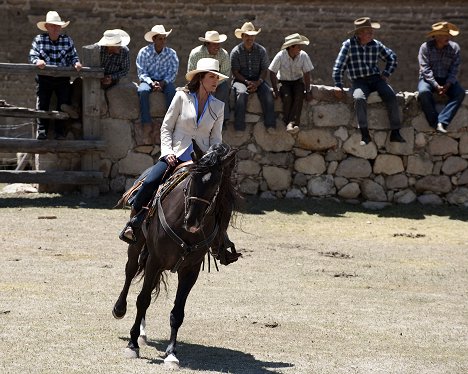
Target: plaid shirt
[(362, 61), (153, 66), (202, 52), (249, 63), (115, 65), (439, 63), (62, 52)]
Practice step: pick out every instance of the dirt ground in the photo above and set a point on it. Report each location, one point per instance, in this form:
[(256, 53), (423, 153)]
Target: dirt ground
[(323, 287)]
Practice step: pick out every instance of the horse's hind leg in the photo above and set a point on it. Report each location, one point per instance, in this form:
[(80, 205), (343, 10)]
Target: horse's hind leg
[(131, 268), (187, 279)]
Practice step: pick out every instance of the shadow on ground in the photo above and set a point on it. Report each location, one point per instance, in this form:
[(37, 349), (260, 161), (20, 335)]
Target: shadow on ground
[(216, 359), (250, 205)]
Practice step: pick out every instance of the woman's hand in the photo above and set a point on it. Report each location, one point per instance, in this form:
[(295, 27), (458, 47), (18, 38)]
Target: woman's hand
[(171, 159)]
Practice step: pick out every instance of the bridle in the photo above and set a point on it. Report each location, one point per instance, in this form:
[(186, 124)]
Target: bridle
[(189, 248)]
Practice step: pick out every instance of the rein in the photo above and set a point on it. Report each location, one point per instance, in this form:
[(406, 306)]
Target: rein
[(187, 248)]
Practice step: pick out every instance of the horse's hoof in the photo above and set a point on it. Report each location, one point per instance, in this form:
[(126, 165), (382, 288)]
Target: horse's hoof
[(132, 352), (171, 362), (142, 340), (119, 314)]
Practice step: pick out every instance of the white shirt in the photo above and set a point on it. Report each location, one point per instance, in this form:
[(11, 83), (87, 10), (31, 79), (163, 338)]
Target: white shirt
[(288, 69)]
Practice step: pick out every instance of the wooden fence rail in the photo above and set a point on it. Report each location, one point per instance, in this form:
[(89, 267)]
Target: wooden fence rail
[(11, 145)]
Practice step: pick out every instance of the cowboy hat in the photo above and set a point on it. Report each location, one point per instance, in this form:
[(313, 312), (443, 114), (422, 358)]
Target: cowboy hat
[(247, 28), (156, 30), (294, 39), (444, 28), (114, 38), (53, 18), (206, 65), (213, 37), (362, 23)]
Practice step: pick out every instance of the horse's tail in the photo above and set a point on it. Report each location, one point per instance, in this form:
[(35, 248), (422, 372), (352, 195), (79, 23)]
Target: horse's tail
[(160, 278)]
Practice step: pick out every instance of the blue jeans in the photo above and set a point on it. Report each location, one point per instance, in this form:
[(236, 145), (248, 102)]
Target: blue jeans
[(363, 87), (222, 93), (266, 100), (144, 90), (150, 184), (455, 93)]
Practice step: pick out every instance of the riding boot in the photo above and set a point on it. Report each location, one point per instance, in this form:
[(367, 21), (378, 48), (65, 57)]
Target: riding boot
[(135, 222), (225, 256)]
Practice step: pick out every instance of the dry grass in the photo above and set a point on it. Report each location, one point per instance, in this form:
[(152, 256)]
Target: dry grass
[(323, 288)]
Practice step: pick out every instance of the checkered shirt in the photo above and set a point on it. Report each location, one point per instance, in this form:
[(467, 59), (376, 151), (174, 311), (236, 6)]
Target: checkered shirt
[(115, 65), (362, 61), (62, 52), (439, 63), (153, 66), (249, 63), (202, 52)]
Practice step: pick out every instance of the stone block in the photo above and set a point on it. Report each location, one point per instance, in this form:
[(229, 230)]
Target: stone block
[(118, 136), (322, 185), (458, 197), (396, 182), (442, 145), (373, 191), (434, 183), (463, 144), (316, 140), (313, 164), (353, 147), (388, 164), (248, 167), (135, 163), (453, 165), (354, 167), (350, 191), (249, 186), (463, 178), (277, 178), (123, 101), (279, 141), (331, 115), (404, 197), (430, 199)]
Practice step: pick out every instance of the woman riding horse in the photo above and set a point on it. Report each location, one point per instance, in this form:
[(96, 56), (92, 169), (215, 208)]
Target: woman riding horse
[(194, 114)]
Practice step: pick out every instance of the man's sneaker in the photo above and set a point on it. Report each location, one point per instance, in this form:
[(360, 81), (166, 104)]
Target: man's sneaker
[(396, 137), (441, 128), (365, 137), (292, 128), (41, 135)]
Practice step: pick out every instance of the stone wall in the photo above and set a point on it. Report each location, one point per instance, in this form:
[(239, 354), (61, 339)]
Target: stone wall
[(323, 160), (325, 22)]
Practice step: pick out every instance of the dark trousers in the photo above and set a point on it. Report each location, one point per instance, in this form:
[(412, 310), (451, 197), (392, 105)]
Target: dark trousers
[(151, 183), (292, 95), (363, 87), (46, 86)]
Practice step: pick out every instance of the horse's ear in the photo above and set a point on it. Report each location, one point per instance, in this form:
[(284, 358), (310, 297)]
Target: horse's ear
[(197, 153)]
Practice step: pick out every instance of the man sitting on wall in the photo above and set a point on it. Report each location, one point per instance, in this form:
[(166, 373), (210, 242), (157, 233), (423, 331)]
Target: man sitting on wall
[(439, 59)]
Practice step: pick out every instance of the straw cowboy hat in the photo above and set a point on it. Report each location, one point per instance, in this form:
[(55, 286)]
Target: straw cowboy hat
[(444, 28), (156, 30), (206, 65), (52, 18), (362, 23), (294, 39), (247, 28), (213, 37), (114, 38)]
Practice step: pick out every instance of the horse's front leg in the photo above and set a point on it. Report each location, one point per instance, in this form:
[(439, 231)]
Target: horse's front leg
[(131, 268), (142, 304), (187, 279)]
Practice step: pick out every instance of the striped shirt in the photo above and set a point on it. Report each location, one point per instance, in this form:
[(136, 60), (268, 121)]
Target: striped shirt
[(153, 66), (61, 52), (290, 69), (202, 52), (439, 63), (362, 61), (249, 63), (115, 65)]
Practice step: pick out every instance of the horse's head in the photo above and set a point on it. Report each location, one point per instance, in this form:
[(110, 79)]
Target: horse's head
[(204, 183)]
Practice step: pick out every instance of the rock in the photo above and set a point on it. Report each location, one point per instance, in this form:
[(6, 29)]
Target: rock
[(430, 199), (331, 115), (300, 180), (322, 185), (404, 197), (341, 133), (248, 167), (420, 140), (463, 145), (249, 186), (454, 165), (350, 191), (268, 195), (420, 164), (402, 148), (284, 159), (118, 184), (463, 178), (279, 141), (353, 147), (442, 145), (237, 138), (277, 178), (312, 165), (458, 197), (354, 167), (123, 101), (396, 182), (388, 164), (135, 163), (118, 135), (316, 140), (373, 191), (434, 183), (340, 182), (420, 124), (332, 166), (294, 194)]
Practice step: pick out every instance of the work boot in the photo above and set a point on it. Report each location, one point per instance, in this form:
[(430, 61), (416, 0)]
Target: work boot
[(135, 222), (396, 137), (365, 137)]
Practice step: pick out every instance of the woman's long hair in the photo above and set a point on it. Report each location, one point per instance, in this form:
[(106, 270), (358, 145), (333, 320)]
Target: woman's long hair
[(194, 85)]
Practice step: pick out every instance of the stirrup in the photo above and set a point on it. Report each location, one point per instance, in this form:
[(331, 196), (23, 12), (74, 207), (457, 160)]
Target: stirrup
[(126, 239)]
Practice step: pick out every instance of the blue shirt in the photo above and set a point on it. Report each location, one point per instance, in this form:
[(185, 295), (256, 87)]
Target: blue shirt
[(187, 155), (362, 60), (61, 52), (153, 66), (249, 63), (439, 63)]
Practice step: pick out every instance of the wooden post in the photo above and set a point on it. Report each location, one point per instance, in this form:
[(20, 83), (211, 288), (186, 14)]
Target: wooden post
[(91, 114)]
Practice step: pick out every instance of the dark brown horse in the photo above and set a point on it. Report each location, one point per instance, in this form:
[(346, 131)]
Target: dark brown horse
[(190, 220)]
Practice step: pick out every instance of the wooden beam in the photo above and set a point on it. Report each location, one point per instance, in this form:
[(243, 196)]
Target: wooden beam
[(14, 145), (51, 177), (20, 112), (54, 71)]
